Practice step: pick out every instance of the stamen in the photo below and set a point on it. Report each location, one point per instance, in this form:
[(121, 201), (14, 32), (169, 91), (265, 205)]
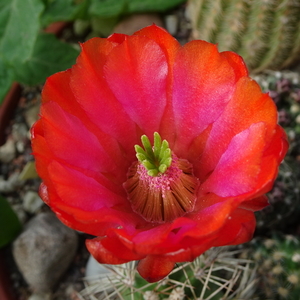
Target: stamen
[(164, 197)]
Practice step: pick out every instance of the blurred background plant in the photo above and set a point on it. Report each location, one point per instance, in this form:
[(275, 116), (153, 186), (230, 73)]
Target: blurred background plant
[(265, 33), (277, 261), (10, 225), (28, 55)]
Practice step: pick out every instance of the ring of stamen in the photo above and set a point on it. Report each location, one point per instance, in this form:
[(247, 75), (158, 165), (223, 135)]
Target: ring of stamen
[(164, 197)]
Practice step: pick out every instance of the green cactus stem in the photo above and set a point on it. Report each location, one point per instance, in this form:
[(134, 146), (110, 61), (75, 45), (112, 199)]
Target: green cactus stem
[(265, 33)]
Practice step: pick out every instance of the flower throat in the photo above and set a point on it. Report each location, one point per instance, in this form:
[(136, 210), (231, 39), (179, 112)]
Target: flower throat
[(160, 186)]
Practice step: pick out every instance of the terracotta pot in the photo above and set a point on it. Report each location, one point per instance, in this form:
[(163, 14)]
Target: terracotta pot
[(7, 110)]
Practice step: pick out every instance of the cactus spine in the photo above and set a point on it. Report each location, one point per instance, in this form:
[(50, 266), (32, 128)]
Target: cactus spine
[(216, 274), (266, 33)]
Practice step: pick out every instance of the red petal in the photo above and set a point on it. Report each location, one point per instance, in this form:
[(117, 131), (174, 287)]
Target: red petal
[(168, 43), (237, 63), (100, 249), (247, 106), (94, 96), (57, 88), (256, 203), (95, 222), (279, 145), (62, 129), (136, 72), (239, 166), (204, 83), (101, 254), (238, 229), (184, 232), (170, 47), (79, 190), (154, 268), (118, 38)]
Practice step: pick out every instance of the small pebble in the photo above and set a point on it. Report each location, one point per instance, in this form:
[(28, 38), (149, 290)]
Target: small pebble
[(9, 185), (94, 269), (32, 202), (19, 131), (20, 145), (136, 22), (19, 210), (44, 251), (8, 151), (40, 296), (32, 114), (171, 22)]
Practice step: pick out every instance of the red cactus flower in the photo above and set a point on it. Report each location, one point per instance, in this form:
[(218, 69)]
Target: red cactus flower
[(210, 149)]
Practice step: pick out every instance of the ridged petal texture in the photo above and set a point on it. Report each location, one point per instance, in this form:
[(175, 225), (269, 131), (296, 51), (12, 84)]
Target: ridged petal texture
[(201, 101)]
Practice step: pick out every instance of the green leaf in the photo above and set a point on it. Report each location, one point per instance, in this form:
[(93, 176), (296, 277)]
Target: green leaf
[(103, 26), (19, 28), (107, 8), (49, 56), (4, 15), (152, 5), (6, 79), (112, 8), (10, 225), (62, 10)]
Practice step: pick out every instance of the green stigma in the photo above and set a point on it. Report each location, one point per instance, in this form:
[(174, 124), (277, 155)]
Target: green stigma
[(156, 159)]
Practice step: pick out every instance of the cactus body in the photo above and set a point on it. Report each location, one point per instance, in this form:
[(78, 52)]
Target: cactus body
[(265, 33), (216, 274), (278, 267)]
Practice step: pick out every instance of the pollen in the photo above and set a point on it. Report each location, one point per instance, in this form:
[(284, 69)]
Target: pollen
[(164, 197)]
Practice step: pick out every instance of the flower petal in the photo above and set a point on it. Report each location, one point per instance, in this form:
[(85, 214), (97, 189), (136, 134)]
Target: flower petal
[(247, 106), (237, 63), (100, 249), (58, 91), (238, 229), (154, 268), (239, 166), (256, 203), (184, 232), (136, 73), (170, 46), (198, 70), (79, 190), (96, 99), (86, 152), (95, 222)]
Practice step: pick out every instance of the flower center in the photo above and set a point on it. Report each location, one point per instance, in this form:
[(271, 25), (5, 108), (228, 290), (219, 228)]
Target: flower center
[(160, 186)]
